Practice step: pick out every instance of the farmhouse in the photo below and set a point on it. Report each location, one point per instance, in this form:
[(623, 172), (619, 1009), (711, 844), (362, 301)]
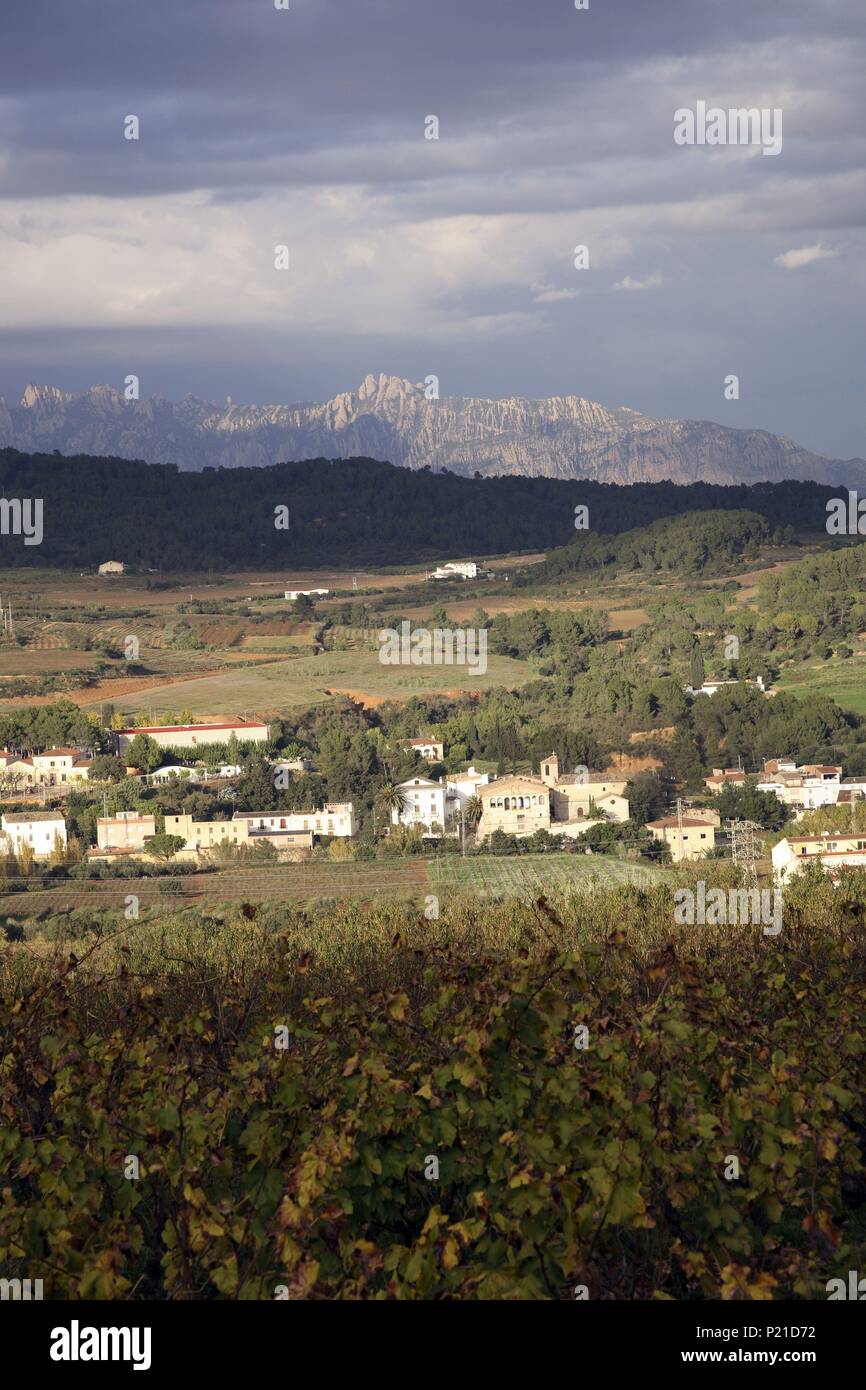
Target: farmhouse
[(111, 567), (199, 835), (41, 831), (832, 850), (54, 767), (689, 838), (722, 777), (335, 818), (456, 569), (292, 594), (714, 686), (196, 735), (127, 830)]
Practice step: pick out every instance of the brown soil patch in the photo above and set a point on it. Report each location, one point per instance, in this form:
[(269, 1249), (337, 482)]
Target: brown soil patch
[(628, 765), (106, 691), (359, 697)]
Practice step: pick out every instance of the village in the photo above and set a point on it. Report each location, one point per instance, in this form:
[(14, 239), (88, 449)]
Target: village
[(487, 809)]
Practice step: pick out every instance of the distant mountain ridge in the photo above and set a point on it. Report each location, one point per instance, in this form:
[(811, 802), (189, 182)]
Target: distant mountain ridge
[(391, 419)]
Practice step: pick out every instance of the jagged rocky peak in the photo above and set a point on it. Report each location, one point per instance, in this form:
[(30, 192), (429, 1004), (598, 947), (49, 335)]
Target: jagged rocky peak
[(392, 418)]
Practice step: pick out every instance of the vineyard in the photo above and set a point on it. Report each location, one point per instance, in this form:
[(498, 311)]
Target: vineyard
[(483, 876), (540, 1101)]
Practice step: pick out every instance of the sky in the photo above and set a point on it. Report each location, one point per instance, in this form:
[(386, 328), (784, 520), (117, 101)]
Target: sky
[(306, 128)]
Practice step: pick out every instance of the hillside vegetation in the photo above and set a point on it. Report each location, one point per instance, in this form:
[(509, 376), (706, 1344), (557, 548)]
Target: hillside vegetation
[(702, 542)]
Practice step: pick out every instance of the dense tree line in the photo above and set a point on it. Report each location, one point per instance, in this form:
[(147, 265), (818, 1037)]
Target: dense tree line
[(352, 511), (701, 542)]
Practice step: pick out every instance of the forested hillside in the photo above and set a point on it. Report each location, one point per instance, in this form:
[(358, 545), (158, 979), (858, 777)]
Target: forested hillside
[(702, 542), (346, 512)]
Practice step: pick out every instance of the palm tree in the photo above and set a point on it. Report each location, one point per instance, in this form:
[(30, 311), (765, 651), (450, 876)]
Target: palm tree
[(473, 809), (392, 798)]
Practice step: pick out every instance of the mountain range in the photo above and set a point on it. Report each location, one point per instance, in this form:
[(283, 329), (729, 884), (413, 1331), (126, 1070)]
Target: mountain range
[(392, 419)]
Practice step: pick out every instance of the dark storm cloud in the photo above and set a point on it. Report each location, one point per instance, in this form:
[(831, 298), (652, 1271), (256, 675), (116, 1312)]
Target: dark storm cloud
[(556, 127), (232, 93)]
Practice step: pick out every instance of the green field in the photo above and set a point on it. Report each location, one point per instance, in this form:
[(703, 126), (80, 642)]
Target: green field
[(842, 681), (283, 686), (530, 874), (486, 876)]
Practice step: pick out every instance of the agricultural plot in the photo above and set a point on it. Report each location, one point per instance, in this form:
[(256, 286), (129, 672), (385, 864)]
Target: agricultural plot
[(528, 875), (282, 686), (399, 879), (842, 681)]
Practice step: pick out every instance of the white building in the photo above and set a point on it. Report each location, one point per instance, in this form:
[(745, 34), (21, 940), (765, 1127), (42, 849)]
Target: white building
[(42, 831), (430, 749), (462, 786), (811, 786), (53, 768), (336, 818), (425, 803), (456, 569), (111, 567), (687, 837), (173, 772), (712, 687), (196, 735), (292, 594), (833, 850), (124, 830)]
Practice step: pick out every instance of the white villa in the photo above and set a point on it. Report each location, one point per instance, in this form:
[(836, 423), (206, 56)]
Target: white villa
[(462, 786), (41, 831), (430, 749), (811, 786), (292, 594), (425, 804)]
